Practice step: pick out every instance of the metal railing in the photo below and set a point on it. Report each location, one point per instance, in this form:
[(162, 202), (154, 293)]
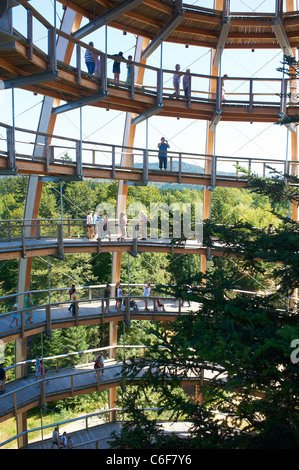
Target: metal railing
[(49, 315), (90, 421), (106, 159), (275, 92)]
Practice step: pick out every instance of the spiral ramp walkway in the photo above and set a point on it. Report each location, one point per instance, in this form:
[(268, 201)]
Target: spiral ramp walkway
[(55, 72)]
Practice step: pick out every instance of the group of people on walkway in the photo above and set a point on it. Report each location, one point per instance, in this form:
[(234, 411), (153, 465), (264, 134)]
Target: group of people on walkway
[(93, 64), (61, 441), (99, 227), (29, 313)]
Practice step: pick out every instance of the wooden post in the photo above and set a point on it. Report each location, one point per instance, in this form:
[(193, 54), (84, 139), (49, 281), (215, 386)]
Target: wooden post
[(103, 311), (29, 49), (51, 45), (23, 242), (180, 168), (10, 137), (250, 95), (78, 60), (132, 82), (98, 371), (113, 162), (48, 317)]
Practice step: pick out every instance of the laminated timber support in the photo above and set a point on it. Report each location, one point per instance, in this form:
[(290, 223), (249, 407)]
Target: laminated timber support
[(210, 144), (111, 15), (64, 50)]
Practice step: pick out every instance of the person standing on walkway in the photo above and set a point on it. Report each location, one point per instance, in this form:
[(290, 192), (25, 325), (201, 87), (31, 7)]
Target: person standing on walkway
[(55, 438), (90, 226), (146, 293), (74, 298), (2, 379), (143, 225), (99, 226), (162, 155), (119, 294), (29, 304), (106, 227), (90, 59), (122, 226), (15, 315), (71, 291), (107, 295), (116, 67), (129, 71), (176, 81), (63, 441)]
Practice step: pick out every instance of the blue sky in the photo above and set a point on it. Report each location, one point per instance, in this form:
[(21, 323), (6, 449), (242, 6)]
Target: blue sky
[(185, 135)]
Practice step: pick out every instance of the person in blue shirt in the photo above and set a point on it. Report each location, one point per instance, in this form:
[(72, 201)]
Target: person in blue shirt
[(162, 155)]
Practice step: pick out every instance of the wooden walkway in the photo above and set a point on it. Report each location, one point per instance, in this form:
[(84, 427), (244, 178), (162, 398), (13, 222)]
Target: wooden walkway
[(16, 248), (25, 393), (88, 438), (89, 312)]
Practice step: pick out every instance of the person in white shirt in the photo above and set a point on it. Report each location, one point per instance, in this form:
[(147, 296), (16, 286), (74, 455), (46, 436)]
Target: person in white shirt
[(143, 225), (90, 226), (146, 293), (99, 226)]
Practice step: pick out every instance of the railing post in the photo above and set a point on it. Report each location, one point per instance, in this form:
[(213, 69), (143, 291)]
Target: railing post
[(42, 392), (113, 162), (10, 138), (132, 94), (48, 317), (160, 86), (23, 241), (72, 385), (282, 99), (76, 305), (79, 158), (145, 165), (103, 311), (37, 229), (29, 49), (60, 248), (78, 60), (250, 95), (103, 77), (47, 154), (128, 309), (98, 371), (51, 47), (8, 230), (180, 168), (22, 324), (219, 95)]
